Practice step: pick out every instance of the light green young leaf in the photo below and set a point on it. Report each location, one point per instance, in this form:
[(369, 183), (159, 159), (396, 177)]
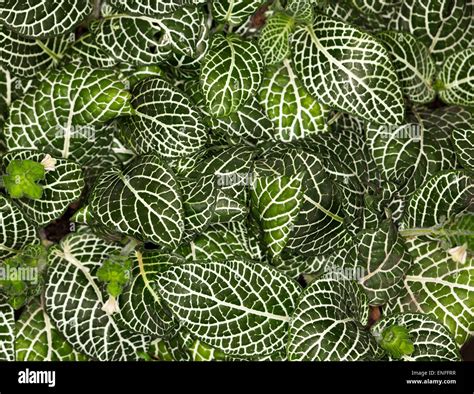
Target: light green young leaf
[(240, 307), (21, 177), (142, 201), (432, 341), (412, 62), (42, 18), (328, 324), (62, 186), (231, 73), (37, 339), (82, 320), (287, 103), (323, 58), (456, 78)]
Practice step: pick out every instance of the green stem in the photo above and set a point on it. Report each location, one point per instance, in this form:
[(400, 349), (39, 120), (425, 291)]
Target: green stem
[(418, 232), (321, 208), (55, 56), (219, 28)]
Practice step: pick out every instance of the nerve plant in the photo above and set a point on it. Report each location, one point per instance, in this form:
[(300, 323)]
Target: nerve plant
[(247, 180)]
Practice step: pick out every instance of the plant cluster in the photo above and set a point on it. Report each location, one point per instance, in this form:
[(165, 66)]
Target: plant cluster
[(244, 180)]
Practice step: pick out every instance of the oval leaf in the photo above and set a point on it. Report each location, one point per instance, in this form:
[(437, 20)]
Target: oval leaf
[(239, 307), (323, 56)]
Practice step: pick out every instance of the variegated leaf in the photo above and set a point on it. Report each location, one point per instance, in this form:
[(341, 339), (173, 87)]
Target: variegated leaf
[(319, 225), (439, 285), (231, 166), (7, 331), (185, 29), (457, 235), (240, 307), (11, 89), (328, 324), (199, 202), (16, 230), (74, 301), (37, 339), (249, 123), (323, 57), (147, 40), (413, 64), (444, 26), (375, 6), (231, 73), (221, 242), (379, 262), (85, 51), (302, 10), (456, 78), (150, 7), (439, 199), (409, 154), (164, 121), (276, 202), (43, 18), (296, 265), (25, 57), (141, 306), (463, 141), (132, 39), (287, 103), (67, 122), (274, 39), (234, 12), (142, 201)]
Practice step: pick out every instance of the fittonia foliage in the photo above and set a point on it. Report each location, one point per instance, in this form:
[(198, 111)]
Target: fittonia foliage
[(246, 179)]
